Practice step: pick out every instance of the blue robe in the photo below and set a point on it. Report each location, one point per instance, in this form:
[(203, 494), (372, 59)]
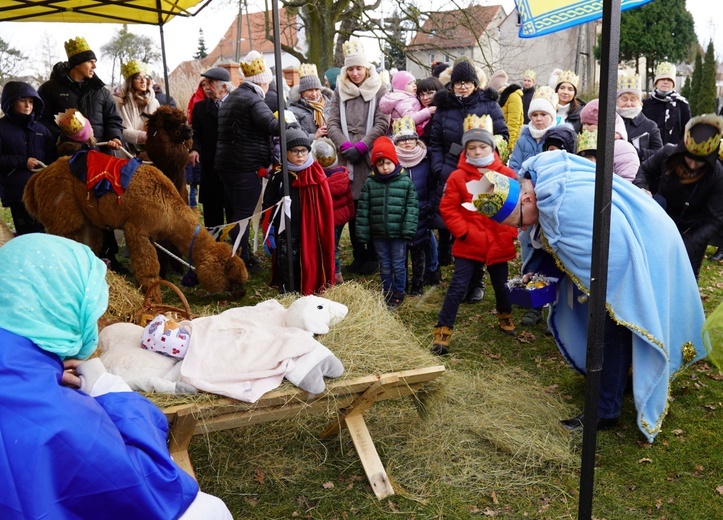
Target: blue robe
[(64, 454), (651, 288)]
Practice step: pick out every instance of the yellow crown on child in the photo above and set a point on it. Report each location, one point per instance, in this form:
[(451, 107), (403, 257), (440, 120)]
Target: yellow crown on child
[(568, 76), (529, 73), (253, 67), (353, 47), (474, 121), (587, 140), (404, 126), (307, 69), (76, 46), (711, 144), (626, 82), (546, 93), (131, 68), (71, 121)]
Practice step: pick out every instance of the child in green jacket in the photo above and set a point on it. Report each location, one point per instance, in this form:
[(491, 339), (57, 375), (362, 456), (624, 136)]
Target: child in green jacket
[(387, 214)]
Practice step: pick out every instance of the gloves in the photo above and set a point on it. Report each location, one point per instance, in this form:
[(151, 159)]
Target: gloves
[(343, 147), (352, 155), (361, 147)]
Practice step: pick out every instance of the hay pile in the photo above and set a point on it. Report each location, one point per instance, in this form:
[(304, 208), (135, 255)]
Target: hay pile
[(124, 299), (495, 428)]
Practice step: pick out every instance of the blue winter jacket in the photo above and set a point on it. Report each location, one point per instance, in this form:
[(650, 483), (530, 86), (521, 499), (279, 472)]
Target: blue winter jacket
[(420, 175), (21, 137), (526, 147)]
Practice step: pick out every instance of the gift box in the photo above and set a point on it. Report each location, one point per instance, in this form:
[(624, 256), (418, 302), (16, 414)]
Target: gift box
[(533, 298)]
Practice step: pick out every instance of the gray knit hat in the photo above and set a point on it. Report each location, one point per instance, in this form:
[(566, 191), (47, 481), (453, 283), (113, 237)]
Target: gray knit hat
[(295, 136), (478, 134)]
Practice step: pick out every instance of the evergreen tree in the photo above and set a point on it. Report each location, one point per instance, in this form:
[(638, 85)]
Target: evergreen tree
[(202, 52), (707, 93), (685, 90), (695, 83), (395, 45)]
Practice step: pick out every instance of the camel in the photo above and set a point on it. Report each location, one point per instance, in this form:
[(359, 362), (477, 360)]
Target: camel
[(149, 210)]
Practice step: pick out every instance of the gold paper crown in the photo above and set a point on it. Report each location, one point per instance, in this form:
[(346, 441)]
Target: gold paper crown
[(529, 73), (546, 93), (665, 69), (253, 67), (474, 121), (503, 148), (131, 68), (352, 47), (568, 76), (490, 204), (711, 144), (76, 46), (70, 122), (587, 140), (626, 82), (307, 69), (404, 126)]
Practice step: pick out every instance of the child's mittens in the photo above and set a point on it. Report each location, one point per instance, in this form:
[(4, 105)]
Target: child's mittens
[(308, 371)]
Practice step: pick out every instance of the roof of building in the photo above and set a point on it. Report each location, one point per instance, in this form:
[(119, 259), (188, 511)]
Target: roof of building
[(455, 29)]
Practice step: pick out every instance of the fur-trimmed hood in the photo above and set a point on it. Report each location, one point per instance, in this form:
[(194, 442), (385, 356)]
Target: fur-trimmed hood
[(513, 87)]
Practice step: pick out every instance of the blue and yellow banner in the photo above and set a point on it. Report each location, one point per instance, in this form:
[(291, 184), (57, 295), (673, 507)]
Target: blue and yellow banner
[(540, 17)]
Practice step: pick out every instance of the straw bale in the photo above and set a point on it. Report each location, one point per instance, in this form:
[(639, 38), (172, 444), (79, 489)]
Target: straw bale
[(124, 299)]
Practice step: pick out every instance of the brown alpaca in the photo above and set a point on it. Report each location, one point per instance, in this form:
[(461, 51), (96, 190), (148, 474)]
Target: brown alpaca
[(168, 142), (150, 210)]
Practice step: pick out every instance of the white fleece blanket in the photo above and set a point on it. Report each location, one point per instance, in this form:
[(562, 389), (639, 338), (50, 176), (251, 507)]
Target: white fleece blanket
[(243, 352)]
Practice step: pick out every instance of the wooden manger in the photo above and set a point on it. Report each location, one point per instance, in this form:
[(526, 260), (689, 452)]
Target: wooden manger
[(349, 398)]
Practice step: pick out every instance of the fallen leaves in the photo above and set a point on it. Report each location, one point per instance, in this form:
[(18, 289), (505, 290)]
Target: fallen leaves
[(328, 485), (645, 459)]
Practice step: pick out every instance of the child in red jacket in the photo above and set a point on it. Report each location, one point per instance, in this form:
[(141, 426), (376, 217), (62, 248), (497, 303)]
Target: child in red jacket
[(478, 239)]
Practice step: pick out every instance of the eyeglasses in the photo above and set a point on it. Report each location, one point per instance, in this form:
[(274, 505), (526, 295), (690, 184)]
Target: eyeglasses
[(520, 223), (299, 152), (463, 84)]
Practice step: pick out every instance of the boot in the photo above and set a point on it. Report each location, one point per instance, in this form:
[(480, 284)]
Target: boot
[(531, 317), (718, 255), (440, 343), (506, 324), (433, 277)]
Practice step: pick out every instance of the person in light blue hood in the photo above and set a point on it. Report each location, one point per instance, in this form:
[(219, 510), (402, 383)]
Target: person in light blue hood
[(654, 312), (25, 144)]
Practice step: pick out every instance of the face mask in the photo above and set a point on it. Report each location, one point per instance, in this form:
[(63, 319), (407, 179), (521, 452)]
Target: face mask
[(481, 161)]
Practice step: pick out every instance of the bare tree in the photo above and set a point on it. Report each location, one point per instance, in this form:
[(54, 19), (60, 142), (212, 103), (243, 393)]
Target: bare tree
[(126, 46), (46, 56), (12, 62)]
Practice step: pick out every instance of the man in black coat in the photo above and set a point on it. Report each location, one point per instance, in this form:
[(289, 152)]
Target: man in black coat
[(244, 150), (529, 86), (668, 109), (204, 120), (73, 84)]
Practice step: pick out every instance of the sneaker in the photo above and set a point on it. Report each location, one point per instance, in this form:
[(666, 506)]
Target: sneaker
[(395, 300), (506, 324), (576, 423), (476, 294), (718, 255), (531, 317), (416, 290)]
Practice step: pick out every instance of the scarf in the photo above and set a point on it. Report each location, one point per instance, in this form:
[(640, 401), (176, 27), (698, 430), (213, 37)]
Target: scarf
[(367, 90), (538, 134), (316, 252), (54, 291), (318, 108), (413, 157), (630, 113), (298, 168)]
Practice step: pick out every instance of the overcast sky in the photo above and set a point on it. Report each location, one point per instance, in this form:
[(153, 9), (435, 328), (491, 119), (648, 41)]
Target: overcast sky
[(181, 34)]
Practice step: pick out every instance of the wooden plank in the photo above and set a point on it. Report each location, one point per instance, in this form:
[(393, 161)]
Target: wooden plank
[(181, 431), (368, 456)]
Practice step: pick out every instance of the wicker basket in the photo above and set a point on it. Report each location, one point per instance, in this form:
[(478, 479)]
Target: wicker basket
[(150, 309)]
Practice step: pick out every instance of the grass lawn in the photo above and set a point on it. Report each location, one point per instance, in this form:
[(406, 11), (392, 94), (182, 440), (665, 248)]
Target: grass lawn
[(283, 471)]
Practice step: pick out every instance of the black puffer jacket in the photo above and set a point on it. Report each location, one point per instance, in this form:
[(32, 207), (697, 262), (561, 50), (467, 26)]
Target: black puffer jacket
[(671, 113), (246, 126), (696, 208), (21, 137), (91, 97)]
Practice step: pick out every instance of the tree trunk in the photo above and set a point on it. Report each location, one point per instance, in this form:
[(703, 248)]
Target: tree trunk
[(320, 36)]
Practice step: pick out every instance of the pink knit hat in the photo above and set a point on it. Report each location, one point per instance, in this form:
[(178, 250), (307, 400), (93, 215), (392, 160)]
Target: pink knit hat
[(590, 112), (401, 79)]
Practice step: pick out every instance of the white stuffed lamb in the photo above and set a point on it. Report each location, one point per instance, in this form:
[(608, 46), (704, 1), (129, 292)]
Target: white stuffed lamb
[(242, 352)]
